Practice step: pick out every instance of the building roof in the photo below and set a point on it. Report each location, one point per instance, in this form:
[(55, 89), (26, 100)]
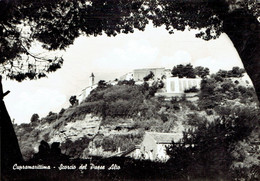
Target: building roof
[(147, 69), (165, 138), (126, 152)]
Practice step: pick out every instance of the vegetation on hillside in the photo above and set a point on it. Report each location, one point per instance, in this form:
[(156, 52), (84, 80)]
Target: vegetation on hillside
[(221, 122)]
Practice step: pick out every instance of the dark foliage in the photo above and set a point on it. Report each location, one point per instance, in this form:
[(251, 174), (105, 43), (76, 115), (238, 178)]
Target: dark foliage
[(73, 100), (175, 103), (201, 71), (56, 24), (235, 72), (50, 117), (214, 92), (206, 152), (183, 71), (124, 142), (191, 90), (34, 118), (188, 71), (126, 82), (61, 112), (75, 148), (149, 76)]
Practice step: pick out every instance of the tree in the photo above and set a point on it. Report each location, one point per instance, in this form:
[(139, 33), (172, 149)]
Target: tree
[(201, 71), (236, 72), (238, 19), (183, 71), (126, 82), (206, 152), (10, 150), (222, 73), (34, 118), (73, 100), (102, 85), (149, 76), (177, 71), (56, 24)]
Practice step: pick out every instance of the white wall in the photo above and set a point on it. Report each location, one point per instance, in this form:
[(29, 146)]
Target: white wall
[(179, 85)]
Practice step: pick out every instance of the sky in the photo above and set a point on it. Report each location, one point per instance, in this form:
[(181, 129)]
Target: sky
[(109, 58)]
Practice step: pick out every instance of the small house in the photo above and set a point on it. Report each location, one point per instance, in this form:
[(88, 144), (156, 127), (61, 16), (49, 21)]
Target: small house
[(154, 145)]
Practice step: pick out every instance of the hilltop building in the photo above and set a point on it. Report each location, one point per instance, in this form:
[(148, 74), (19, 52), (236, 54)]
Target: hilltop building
[(91, 79), (173, 86), (139, 74), (127, 76), (85, 92)]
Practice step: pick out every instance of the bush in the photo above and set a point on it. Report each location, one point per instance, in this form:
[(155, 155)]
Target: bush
[(115, 101), (175, 103), (206, 152), (51, 117), (73, 100), (61, 112), (195, 120), (76, 148), (192, 106), (164, 117), (236, 82), (34, 118), (209, 112), (149, 76), (27, 127), (124, 142), (191, 90)]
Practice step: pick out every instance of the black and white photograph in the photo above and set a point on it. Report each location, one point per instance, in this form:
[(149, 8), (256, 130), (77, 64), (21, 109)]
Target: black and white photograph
[(130, 90)]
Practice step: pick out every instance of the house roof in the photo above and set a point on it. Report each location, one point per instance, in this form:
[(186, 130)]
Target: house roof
[(124, 153), (165, 138)]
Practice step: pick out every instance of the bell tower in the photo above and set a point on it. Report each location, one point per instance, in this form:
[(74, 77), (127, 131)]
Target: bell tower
[(91, 79)]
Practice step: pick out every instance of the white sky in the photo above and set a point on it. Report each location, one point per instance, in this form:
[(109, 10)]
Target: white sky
[(109, 58)]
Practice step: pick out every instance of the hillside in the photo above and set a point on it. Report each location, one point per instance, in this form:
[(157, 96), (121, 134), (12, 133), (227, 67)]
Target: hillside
[(116, 116)]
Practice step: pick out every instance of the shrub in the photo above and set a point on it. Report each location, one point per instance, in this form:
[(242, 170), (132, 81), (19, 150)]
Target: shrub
[(209, 112), (191, 105), (164, 117), (34, 118), (73, 100), (192, 89), (195, 120), (149, 76), (46, 137), (112, 143), (51, 117), (61, 112), (27, 127), (76, 148)]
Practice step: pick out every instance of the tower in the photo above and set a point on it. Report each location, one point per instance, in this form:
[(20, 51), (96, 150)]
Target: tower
[(91, 79)]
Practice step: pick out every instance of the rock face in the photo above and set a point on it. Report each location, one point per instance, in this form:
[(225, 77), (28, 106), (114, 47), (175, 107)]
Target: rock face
[(59, 130), (89, 127)]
